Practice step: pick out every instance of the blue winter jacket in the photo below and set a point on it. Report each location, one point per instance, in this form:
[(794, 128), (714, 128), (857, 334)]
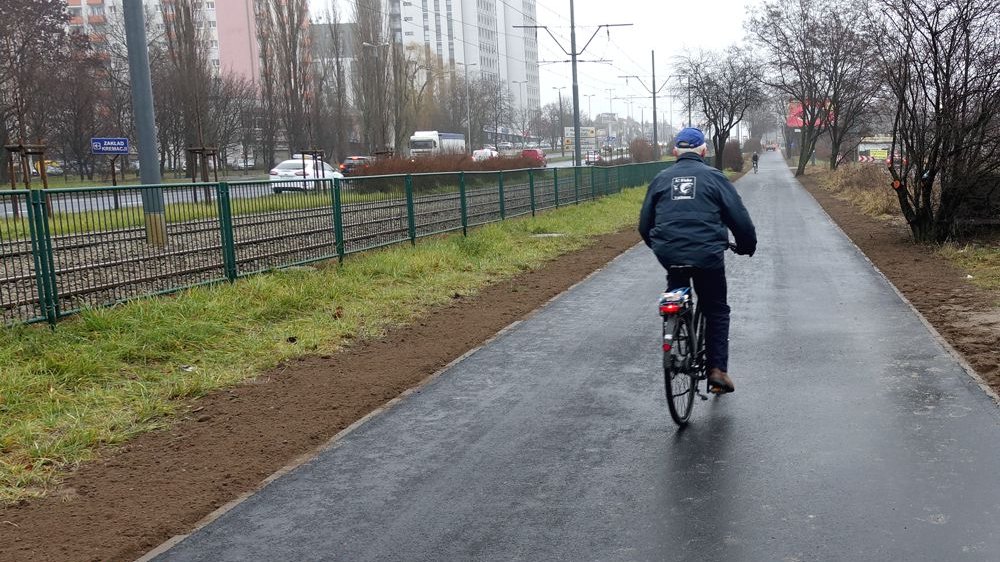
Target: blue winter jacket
[(687, 210)]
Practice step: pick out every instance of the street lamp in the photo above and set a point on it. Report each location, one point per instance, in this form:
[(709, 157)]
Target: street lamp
[(520, 101), (562, 129), (589, 98), (468, 103), (395, 99)]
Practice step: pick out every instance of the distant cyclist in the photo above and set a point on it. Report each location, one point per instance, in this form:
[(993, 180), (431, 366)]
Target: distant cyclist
[(684, 219), (755, 158)]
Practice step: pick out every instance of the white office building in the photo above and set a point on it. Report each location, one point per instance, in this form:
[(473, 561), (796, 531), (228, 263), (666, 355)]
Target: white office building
[(480, 32)]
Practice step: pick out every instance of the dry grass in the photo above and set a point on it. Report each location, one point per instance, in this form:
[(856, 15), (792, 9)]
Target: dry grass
[(866, 187)]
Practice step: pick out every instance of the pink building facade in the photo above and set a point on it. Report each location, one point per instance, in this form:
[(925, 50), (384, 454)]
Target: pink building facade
[(239, 51)]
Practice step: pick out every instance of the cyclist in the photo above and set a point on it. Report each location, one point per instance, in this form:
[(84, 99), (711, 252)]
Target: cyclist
[(755, 158), (684, 218)]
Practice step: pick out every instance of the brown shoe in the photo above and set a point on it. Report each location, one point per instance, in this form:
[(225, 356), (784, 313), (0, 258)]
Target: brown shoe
[(719, 381)]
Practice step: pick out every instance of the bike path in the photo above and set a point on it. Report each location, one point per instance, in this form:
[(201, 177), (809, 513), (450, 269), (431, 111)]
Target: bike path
[(852, 435)]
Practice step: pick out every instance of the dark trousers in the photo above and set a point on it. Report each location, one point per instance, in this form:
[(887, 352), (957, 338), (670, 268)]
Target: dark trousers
[(710, 287)]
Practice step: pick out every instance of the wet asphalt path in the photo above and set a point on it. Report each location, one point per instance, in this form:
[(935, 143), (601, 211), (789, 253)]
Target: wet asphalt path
[(852, 434)]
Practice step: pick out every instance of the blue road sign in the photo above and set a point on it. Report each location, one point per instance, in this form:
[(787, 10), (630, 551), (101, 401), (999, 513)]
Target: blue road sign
[(109, 146)]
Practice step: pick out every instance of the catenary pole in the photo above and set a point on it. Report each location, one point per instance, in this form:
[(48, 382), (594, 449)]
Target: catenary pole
[(145, 121)]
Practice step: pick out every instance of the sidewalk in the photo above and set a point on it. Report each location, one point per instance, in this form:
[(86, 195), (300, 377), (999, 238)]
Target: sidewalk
[(853, 435)]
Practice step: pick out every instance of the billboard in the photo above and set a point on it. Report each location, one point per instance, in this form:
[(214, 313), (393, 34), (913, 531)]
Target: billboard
[(794, 119)]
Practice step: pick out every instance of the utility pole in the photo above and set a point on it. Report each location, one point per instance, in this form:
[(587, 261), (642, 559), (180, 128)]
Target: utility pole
[(562, 129), (573, 54), (468, 105), (145, 122), (653, 91)]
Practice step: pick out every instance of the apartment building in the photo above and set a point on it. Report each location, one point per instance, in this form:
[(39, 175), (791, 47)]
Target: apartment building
[(480, 32), (228, 27)]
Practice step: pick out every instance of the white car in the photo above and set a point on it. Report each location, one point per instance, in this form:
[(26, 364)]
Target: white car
[(289, 171), (484, 154)]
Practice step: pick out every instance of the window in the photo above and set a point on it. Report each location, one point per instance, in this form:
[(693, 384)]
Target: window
[(408, 19), (408, 34), (209, 5), (211, 23)]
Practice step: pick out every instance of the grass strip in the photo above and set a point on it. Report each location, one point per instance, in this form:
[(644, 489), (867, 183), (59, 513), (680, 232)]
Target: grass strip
[(112, 373)]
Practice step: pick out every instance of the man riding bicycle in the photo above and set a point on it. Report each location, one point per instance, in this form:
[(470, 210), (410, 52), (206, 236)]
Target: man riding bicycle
[(755, 159), (684, 219)]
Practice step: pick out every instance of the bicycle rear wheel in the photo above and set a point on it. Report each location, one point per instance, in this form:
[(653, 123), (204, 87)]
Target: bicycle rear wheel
[(678, 382)]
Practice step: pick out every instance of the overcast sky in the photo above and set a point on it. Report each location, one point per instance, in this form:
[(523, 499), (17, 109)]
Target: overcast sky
[(668, 27)]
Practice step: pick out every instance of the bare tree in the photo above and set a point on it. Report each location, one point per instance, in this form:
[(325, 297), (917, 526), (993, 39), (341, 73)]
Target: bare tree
[(939, 62), (793, 31), (31, 38), (188, 73), (725, 87), (284, 24), (372, 74), (849, 75)]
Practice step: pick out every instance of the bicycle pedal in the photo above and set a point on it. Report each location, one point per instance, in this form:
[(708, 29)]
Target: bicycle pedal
[(702, 396)]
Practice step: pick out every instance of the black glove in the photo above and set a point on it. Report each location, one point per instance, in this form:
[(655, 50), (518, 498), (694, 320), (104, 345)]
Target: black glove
[(745, 251)]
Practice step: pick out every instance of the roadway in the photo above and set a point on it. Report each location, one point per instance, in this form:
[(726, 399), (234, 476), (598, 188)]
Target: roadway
[(852, 435)]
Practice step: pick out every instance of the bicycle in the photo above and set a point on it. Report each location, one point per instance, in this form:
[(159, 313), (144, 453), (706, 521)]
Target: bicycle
[(755, 167), (684, 365)]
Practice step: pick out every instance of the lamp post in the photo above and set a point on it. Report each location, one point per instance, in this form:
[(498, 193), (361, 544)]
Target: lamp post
[(395, 90), (468, 103), (562, 130), (522, 107), (589, 98)]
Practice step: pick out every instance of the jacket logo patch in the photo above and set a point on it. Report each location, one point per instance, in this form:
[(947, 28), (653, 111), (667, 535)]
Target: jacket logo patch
[(683, 187)]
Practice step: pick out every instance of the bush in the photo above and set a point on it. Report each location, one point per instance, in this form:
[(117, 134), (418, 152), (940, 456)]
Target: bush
[(442, 164), (641, 150), (733, 157), (437, 173)]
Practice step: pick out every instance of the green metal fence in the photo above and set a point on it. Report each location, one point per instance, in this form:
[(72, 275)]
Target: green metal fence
[(63, 250)]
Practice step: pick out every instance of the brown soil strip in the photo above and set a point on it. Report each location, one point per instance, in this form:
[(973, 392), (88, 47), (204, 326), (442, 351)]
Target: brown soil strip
[(965, 315), (161, 484)]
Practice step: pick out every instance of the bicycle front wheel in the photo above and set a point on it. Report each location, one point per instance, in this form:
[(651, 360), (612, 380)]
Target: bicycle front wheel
[(679, 384)]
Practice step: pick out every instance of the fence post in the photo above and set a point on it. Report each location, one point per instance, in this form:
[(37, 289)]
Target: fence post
[(593, 183), (531, 189), (465, 209), (410, 213), (576, 184), (338, 220), (226, 228), (555, 184), (607, 181), (41, 249), (503, 205)]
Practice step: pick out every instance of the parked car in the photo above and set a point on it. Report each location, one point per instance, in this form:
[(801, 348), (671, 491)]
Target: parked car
[(352, 164), (287, 172), (592, 157), (484, 154), (505, 146), (536, 154)]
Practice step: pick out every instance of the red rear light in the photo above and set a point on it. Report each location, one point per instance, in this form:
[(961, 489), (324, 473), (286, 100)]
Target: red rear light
[(274, 172), (343, 167), (670, 308), (666, 346)]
